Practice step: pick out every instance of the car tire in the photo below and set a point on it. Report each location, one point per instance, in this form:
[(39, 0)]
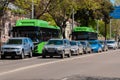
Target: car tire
[(77, 53), (22, 56), (69, 55), (63, 55), (30, 54)]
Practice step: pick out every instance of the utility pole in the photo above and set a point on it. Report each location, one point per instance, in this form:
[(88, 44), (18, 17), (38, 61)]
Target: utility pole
[(97, 26), (32, 9), (110, 28), (72, 19)]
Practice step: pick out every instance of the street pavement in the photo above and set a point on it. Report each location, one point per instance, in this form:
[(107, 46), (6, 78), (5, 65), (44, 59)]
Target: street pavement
[(95, 66)]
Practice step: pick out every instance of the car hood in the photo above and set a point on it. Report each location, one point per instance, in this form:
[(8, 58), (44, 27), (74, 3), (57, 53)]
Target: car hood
[(74, 47), (53, 46), (11, 46), (94, 45)]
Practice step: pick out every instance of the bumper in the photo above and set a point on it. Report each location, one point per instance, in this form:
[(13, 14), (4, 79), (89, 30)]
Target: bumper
[(73, 51), (10, 53), (45, 52)]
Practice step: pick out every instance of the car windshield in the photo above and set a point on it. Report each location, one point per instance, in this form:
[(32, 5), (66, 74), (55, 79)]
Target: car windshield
[(83, 43), (110, 42), (92, 42), (72, 43), (14, 41), (55, 42)]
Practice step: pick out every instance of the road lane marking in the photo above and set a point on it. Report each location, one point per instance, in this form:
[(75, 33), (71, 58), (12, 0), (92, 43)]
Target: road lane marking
[(46, 63)]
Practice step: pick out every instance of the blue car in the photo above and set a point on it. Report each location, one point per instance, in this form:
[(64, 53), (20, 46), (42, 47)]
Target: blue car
[(95, 45)]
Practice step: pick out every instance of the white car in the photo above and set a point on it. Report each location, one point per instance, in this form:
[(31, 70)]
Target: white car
[(112, 44)]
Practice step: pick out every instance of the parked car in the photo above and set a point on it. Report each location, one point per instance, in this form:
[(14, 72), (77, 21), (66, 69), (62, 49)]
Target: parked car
[(95, 45), (17, 46), (104, 45), (112, 44), (86, 46), (76, 47), (57, 47)]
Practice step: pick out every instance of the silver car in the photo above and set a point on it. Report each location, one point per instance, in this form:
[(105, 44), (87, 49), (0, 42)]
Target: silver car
[(76, 47), (112, 44), (18, 46), (57, 47)]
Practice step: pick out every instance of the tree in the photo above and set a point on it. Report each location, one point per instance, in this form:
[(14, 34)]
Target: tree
[(94, 10), (116, 2), (3, 7), (87, 12), (61, 11)]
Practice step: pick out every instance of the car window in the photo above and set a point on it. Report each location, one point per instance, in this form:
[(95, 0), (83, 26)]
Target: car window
[(14, 41), (110, 41), (72, 43), (55, 42), (83, 43)]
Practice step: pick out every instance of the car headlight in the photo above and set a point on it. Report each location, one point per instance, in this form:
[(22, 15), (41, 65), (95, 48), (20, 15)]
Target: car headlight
[(18, 49), (59, 49)]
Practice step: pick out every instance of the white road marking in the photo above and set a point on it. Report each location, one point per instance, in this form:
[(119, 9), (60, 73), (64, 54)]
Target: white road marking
[(43, 64)]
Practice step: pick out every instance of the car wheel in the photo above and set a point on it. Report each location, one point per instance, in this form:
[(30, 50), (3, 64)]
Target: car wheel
[(77, 52), (63, 55), (30, 54), (22, 56), (69, 55)]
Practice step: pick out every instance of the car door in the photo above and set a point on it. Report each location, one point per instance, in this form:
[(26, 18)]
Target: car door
[(80, 47), (67, 46), (26, 46)]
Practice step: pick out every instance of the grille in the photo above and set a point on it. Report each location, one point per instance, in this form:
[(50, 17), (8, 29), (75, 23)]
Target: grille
[(51, 49)]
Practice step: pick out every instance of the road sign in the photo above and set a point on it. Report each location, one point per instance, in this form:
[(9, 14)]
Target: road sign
[(116, 13)]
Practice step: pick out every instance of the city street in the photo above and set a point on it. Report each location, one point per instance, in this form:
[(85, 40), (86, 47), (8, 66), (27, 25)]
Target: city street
[(100, 65)]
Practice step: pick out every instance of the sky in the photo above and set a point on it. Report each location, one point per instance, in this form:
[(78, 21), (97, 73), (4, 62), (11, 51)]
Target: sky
[(112, 1)]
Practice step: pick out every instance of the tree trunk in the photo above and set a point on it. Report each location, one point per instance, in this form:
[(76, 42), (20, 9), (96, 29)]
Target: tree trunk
[(105, 31)]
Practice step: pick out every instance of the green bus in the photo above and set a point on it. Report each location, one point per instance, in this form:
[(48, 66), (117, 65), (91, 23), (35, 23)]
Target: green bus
[(84, 33), (38, 30)]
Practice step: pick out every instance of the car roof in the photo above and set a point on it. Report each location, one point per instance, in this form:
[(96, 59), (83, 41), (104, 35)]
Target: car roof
[(93, 40), (57, 39)]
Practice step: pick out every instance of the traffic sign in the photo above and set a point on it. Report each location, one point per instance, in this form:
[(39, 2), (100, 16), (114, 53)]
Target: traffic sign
[(116, 13)]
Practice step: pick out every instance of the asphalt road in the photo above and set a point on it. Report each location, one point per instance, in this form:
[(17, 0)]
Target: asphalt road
[(95, 66)]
